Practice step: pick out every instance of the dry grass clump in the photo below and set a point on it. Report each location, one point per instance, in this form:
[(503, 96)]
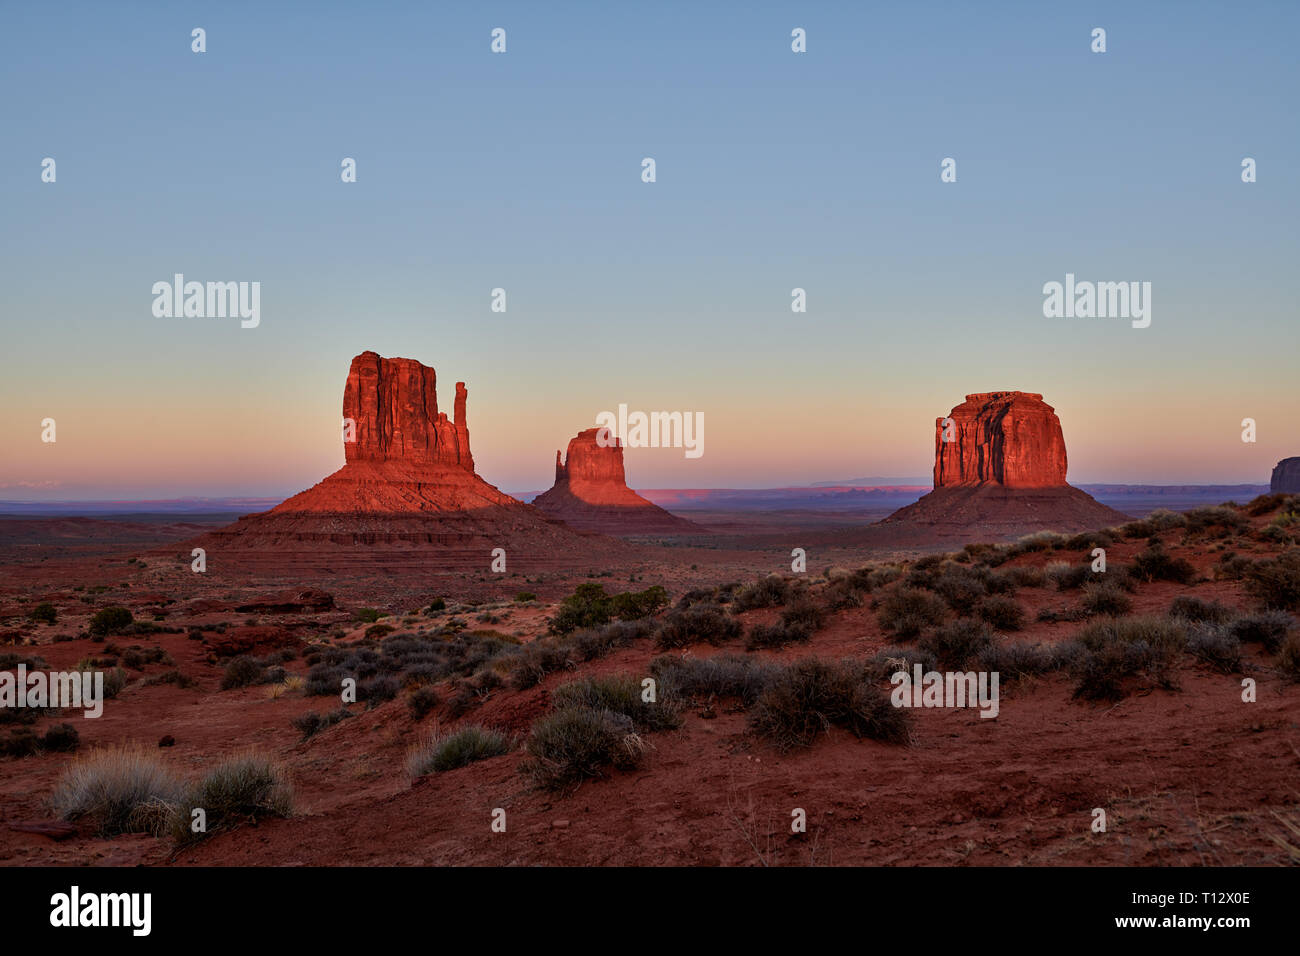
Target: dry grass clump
[(812, 695), (244, 787), (908, 611), (467, 745), (108, 786)]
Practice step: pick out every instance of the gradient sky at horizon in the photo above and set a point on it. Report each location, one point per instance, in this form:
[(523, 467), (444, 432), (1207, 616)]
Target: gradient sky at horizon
[(522, 171)]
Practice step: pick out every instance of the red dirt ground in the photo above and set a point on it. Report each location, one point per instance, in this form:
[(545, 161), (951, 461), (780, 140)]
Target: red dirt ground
[(1188, 776)]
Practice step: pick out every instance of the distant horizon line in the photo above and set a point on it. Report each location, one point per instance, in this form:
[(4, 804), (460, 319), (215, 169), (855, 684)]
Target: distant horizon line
[(903, 484)]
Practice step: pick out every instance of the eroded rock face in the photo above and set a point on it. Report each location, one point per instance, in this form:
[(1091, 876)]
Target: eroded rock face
[(394, 404), (594, 469), (407, 496), (1286, 477), (1012, 439), (1001, 474), (591, 492)]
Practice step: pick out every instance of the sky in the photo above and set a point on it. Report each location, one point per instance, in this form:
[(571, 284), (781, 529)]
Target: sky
[(522, 170)]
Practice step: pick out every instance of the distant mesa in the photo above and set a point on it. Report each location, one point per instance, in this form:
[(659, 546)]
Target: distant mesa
[(999, 471), (591, 492), (408, 483), (1286, 477)]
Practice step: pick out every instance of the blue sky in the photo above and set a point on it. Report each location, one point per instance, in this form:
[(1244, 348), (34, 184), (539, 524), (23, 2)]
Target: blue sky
[(522, 171)]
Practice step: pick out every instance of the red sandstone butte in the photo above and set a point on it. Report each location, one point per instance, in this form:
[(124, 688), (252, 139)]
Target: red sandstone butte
[(408, 484), (591, 492), (1001, 473), (1013, 439)]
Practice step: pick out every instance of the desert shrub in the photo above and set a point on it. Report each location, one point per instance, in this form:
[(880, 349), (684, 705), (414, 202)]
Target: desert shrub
[(10, 660), (1162, 519), (1087, 540), (1282, 529), (44, 613), (597, 642), (241, 671), (523, 597), (1275, 583), (696, 596), (700, 622), (844, 593), (960, 586), (723, 675), (173, 677), (1232, 567), (375, 690), (247, 786), (1015, 660), (908, 611), (977, 551), (1066, 577), (1004, 613), (634, 605), (587, 606), (1021, 576), (436, 605), (324, 680), (776, 635), (137, 658), (379, 630), (590, 607), (1137, 529), (803, 613), (111, 620), (1039, 541), (1288, 657), (536, 661), (115, 679), (1216, 645), (21, 742), (1194, 609), (1263, 504), (874, 576), (958, 642), (771, 591), (367, 615), (422, 701), (61, 738), (890, 660), (1226, 520), (460, 748), (810, 696), (1106, 654), (1105, 598), (619, 694), (578, 743), (109, 788), (1268, 628), (1154, 564), (312, 723)]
